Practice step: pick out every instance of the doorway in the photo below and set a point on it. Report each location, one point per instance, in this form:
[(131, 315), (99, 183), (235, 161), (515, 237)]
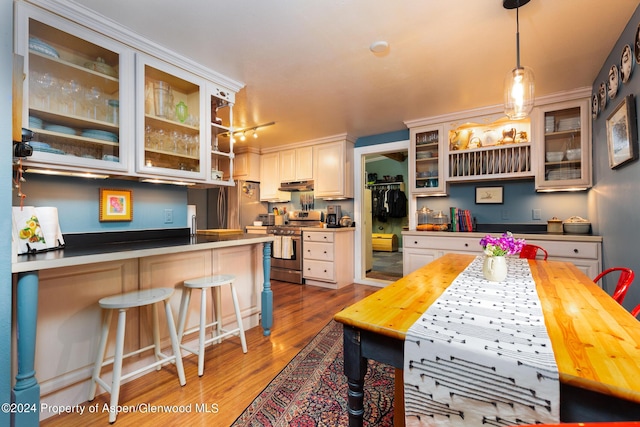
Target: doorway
[(379, 169)]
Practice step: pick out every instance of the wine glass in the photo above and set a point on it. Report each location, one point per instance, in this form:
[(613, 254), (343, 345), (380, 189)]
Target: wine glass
[(44, 82), (92, 96)]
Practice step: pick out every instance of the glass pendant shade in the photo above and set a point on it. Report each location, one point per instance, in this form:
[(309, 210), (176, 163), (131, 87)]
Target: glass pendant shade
[(519, 88)]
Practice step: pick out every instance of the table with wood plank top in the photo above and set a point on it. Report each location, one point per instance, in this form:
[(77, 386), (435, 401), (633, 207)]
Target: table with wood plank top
[(596, 342)]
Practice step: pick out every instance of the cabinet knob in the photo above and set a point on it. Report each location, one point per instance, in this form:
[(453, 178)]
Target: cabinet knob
[(415, 242), (325, 252), (575, 251), (466, 245)]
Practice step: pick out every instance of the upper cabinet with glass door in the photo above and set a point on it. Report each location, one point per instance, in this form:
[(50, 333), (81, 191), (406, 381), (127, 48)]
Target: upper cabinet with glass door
[(564, 162), (426, 161), (171, 113), (78, 96), (222, 138)]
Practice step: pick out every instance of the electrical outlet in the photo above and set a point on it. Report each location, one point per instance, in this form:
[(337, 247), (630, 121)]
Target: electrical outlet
[(168, 216), (536, 214), (505, 213)]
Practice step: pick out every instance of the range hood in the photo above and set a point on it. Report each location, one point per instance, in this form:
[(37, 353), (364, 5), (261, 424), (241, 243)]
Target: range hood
[(296, 186)]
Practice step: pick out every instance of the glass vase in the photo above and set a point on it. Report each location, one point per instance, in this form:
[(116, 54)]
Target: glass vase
[(494, 268)]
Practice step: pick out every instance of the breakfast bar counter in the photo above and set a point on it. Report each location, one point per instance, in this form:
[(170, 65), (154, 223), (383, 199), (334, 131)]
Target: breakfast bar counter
[(57, 293)]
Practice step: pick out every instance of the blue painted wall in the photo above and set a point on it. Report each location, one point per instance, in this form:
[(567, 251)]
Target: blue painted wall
[(520, 197), (615, 197), (77, 200), (6, 49)]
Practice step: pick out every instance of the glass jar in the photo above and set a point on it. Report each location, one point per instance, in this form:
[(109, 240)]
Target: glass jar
[(423, 215), (113, 115)]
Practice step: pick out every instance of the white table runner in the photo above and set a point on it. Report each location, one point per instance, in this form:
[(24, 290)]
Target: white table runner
[(481, 355)]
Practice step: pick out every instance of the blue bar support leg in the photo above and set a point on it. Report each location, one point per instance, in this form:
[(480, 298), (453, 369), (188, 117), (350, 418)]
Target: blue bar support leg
[(267, 294), (26, 392)]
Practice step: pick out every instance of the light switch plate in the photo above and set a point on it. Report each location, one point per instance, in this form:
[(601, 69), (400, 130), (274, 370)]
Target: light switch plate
[(536, 214), (168, 216)]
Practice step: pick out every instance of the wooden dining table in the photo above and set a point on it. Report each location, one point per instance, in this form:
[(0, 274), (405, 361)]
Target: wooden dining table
[(596, 342)]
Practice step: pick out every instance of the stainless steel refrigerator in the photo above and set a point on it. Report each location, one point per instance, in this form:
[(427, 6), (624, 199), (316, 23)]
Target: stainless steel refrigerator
[(234, 207)]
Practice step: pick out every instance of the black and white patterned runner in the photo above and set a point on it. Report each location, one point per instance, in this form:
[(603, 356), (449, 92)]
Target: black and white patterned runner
[(481, 356)]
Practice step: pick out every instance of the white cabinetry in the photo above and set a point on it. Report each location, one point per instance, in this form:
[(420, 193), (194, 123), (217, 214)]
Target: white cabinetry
[(420, 248), (427, 160), (333, 170), (173, 141), (296, 164), (78, 94), (270, 179), (587, 256), (95, 102), (246, 164), (488, 148), (328, 257), (563, 133)]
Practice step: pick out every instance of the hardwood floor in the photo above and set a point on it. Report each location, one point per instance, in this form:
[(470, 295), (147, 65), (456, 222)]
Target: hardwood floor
[(231, 379)]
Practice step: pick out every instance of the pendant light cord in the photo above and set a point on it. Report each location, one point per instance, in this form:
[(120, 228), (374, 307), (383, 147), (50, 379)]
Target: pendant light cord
[(517, 37)]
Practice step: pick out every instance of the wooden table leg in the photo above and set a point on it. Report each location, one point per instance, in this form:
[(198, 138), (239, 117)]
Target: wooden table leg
[(355, 368), (398, 399)]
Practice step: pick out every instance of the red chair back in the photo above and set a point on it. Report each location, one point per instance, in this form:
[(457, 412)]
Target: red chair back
[(636, 311), (531, 252), (624, 281)]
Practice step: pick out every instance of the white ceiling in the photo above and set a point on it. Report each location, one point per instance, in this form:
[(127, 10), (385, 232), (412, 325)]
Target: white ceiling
[(307, 65)]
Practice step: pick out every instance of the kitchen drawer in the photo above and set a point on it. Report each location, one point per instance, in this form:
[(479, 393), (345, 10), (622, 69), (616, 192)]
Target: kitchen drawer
[(558, 249), (320, 270), (320, 236), (451, 244), (318, 251)]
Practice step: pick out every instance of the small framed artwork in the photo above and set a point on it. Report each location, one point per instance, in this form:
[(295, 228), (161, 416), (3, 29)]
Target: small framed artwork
[(115, 205), (489, 195), (622, 133)]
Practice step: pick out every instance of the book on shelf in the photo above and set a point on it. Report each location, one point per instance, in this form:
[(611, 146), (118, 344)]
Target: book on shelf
[(461, 219)]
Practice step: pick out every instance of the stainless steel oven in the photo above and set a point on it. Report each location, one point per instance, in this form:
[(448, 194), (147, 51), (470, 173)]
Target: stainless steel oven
[(286, 251)]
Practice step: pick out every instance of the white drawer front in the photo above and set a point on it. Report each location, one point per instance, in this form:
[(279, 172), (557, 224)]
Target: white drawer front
[(321, 270), (569, 249), (451, 244), (320, 236), (318, 251)]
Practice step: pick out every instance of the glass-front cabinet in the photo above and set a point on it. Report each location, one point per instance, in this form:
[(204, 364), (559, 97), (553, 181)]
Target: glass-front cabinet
[(78, 96), (426, 161), (564, 160), (222, 137), (171, 112)]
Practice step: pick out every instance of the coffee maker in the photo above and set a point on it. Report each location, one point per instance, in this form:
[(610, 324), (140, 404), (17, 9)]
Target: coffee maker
[(333, 216)]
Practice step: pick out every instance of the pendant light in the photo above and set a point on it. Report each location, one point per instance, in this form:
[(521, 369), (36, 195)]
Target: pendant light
[(519, 86)]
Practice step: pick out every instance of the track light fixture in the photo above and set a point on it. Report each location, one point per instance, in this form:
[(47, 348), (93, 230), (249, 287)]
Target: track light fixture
[(241, 134)]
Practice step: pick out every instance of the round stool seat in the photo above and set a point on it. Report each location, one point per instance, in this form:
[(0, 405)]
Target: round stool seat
[(136, 298), (210, 281)]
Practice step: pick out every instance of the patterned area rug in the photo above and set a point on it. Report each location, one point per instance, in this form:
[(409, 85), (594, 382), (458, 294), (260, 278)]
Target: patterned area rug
[(311, 391)]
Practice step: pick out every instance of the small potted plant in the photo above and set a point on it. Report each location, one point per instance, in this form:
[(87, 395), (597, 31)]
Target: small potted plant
[(496, 249)]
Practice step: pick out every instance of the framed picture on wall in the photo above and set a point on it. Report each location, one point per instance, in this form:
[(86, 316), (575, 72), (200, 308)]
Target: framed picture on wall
[(622, 133), (489, 195), (115, 205)]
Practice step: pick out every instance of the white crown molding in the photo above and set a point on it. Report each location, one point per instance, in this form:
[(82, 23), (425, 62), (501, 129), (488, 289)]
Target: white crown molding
[(81, 15), (584, 92), (327, 139)]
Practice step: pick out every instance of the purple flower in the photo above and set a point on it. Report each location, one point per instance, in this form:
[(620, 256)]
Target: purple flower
[(501, 246)]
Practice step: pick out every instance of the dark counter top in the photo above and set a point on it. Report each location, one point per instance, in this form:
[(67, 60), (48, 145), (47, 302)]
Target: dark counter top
[(102, 247)]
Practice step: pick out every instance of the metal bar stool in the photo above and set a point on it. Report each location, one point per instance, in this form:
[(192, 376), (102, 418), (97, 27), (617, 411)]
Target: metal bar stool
[(204, 283), (122, 303)]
